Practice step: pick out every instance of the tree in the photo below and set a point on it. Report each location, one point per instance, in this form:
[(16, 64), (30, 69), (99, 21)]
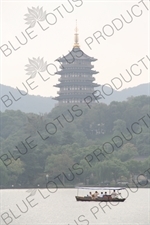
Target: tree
[(134, 167), (4, 178), (15, 169), (119, 126), (57, 164), (128, 151)]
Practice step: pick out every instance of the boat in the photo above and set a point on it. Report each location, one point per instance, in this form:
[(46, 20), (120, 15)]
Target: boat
[(104, 198)]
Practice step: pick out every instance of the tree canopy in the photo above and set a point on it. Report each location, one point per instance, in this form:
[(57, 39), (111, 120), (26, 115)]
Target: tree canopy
[(40, 147)]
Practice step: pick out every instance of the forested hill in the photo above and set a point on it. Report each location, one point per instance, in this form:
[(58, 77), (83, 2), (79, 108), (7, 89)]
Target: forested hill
[(90, 145), (39, 104)]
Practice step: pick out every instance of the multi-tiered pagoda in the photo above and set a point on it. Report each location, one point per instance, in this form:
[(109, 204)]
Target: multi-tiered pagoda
[(76, 73)]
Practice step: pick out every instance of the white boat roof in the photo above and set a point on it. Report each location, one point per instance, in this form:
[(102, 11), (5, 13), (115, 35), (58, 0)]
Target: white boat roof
[(101, 188)]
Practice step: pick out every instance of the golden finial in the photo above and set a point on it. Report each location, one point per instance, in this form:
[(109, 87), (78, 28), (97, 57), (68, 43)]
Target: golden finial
[(76, 38)]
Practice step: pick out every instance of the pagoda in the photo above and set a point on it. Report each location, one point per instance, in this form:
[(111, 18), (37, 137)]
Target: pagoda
[(76, 81)]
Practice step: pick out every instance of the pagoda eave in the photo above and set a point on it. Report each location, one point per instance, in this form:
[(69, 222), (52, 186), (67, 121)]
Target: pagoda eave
[(62, 72), (79, 84)]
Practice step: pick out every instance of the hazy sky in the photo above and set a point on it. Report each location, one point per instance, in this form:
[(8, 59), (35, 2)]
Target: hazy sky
[(118, 52)]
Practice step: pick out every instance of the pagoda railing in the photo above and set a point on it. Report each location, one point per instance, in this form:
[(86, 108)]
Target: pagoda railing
[(77, 70), (75, 79), (74, 92), (76, 65)]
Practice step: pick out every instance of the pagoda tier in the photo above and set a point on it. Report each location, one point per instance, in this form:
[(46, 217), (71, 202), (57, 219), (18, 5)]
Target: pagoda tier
[(76, 85), (76, 81)]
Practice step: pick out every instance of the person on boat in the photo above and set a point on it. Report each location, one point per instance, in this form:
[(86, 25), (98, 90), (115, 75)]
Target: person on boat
[(91, 195), (106, 196), (96, 194), (101, 195), (114, 195)]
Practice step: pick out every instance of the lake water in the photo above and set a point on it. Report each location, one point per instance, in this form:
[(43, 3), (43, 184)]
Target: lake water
[(61, 208)]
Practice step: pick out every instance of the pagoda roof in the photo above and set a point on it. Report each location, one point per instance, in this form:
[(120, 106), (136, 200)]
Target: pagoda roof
[(77, 83), (74, 96), (75, 53), (81, 70)]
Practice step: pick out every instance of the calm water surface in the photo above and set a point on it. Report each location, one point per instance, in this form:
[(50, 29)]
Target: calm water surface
[(61, 208)]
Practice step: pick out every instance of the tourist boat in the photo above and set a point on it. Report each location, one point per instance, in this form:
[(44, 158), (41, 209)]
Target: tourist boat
[(105, 198)]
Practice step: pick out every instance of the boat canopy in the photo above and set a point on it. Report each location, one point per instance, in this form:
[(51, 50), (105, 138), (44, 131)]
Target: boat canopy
[(101, 188)]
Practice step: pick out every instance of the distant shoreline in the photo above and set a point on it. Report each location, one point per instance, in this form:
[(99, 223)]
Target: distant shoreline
[(16, 188)]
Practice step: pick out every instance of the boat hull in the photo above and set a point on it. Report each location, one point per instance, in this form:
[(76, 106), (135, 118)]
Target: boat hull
[(105, 199)]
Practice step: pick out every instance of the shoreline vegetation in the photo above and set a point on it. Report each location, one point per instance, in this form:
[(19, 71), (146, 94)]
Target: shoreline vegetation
[(129, 185), (36, 188)]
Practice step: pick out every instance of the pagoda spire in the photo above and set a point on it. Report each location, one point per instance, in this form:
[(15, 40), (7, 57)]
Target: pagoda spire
[(76, 38)]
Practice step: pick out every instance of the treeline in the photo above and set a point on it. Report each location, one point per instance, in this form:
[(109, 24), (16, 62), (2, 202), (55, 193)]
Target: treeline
[(94, 145)]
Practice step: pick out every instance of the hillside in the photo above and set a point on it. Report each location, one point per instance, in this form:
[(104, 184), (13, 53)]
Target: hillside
[(28, 103), (39, 104), (104, 143)]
